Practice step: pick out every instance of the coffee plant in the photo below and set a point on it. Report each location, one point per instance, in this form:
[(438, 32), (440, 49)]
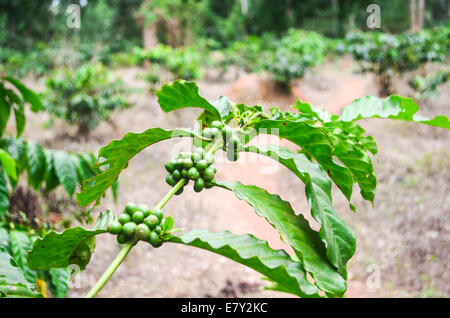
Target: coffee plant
[(331, 149), (388, 56), (84, 97), (425, 87), (182, 63)]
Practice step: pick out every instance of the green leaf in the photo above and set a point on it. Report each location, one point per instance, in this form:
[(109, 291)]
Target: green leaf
[(318, 113), (59, 282), (223, 105), (16, 147), (352, 152), (27, 94), (295, 231), (36, 164), (83, 168), (8, 164), (182, 94), (19, 114), (5, 109), (168, 224), (316, 142), (116, 155), (73, 246), (256, 254), (51, 179), (394, 107), (4, 195), (20, 244), (12, 279), (335, 234), (65, 171)]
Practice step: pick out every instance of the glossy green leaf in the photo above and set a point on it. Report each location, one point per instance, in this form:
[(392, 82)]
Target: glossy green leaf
[(318, 113), (73, 246), (351, 150), (338, 237), (4, 195), (116, 155), (51, 179), (8, 164), (12, 279), (316, 142), (59, 282), (295, 231), (5, 109), (20, 244), (182, 94), (65, 171), (27, 94), (36, 164), (394, 107), (256, 254), (19, 114)]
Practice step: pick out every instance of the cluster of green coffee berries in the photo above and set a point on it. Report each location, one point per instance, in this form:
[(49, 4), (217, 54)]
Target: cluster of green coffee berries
[(231, 142), (138, 223), (196, 166)]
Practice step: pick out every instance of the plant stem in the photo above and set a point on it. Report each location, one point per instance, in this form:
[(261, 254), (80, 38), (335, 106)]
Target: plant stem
[(170, 194), (110, 270)]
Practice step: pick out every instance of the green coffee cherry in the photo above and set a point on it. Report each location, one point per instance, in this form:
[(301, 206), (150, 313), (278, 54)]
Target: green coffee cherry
[(128, 228), (171, 165), (196, 156), (176, 175), (193, 173), (227, 132), (184, 173), (201, 165), (137, 217), (130, 208), (211, 133), (170, 180), (233, 143), (158, 229), (151, 221), (199, 184), (209, 158), (154, 238), (142, 232), (115, 227), (208, 174), (179, 163), (144, 209), (187, 163), (122, 238), (200, 151), (124, 218), (158, 213)]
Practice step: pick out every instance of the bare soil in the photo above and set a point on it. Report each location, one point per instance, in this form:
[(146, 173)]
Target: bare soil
[(402, 242)]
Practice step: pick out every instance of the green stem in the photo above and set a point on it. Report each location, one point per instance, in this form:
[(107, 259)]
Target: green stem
[(170, 194), (110, 270)]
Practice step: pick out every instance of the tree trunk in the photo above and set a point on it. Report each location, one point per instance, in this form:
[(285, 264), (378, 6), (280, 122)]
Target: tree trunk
[(335, 6), (412, 15), (420, 14), (149, 36)]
